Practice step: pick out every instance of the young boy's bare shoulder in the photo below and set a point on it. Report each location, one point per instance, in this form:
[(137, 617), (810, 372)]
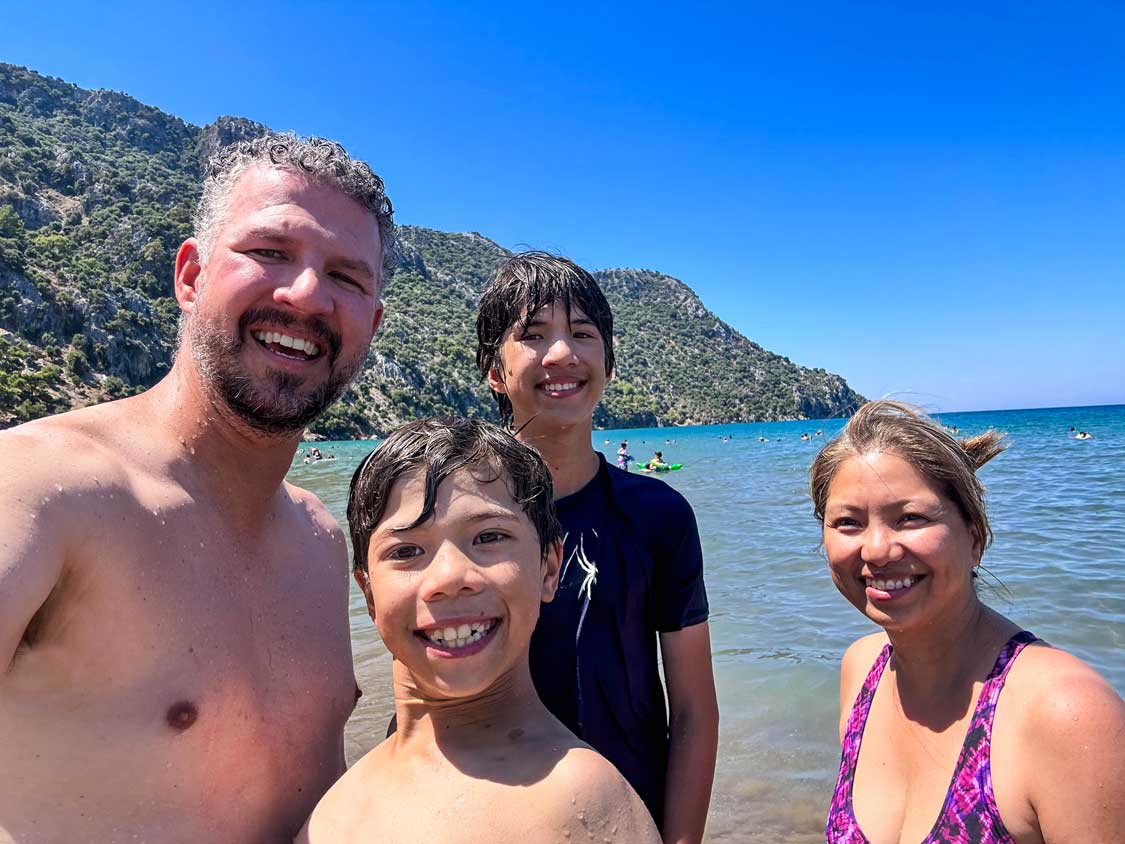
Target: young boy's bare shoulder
[(585, 794), (342, 813)]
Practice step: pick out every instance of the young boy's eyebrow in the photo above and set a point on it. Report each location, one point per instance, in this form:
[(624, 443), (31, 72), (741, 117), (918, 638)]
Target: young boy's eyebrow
[(479, 516)]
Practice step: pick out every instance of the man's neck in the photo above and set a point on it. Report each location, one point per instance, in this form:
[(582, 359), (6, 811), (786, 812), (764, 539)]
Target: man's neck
[(566, 450), (243, 467)]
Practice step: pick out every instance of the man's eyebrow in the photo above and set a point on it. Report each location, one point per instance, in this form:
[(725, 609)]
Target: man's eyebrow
[(274, 236)]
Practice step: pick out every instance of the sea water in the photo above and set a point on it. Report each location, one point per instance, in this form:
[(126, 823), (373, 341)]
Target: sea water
[(778, 626)]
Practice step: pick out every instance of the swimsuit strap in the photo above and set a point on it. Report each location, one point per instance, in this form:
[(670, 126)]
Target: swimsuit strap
[(842, 827), (970, 813)]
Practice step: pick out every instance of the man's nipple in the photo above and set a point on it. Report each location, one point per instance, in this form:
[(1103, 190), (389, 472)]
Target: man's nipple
[(181, 715)]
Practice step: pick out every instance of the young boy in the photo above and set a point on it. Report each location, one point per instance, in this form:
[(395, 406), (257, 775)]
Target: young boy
[(545, 345), (455, 545)]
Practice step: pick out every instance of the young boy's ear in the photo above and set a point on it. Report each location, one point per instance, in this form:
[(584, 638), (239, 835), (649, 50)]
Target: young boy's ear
[(552, 562), (365, 587)]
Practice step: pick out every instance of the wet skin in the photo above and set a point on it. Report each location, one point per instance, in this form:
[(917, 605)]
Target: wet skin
[(477, 757), (175, 660)]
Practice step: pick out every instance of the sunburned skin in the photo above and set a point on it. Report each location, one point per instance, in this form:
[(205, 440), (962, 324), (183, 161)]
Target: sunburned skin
[(476, 757), (185, 681), (175, 660)]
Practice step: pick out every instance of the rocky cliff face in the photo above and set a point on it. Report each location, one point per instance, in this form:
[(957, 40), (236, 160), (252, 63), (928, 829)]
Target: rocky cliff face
[(96, 193)]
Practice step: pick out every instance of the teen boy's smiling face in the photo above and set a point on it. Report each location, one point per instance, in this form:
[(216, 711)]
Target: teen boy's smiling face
[(554, 368), (457, 597)]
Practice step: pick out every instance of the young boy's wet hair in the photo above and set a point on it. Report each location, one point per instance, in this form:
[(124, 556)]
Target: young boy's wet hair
[(522, 285), (438, 447)]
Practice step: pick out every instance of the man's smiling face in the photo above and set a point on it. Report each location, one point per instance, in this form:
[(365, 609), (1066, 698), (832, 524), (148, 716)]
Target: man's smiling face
[(288, 298)]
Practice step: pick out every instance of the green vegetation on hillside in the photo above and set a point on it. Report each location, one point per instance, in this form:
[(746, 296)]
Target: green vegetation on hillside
[(96, 193)]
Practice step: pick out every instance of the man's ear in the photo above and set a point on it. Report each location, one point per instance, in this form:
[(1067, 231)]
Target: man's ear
[(364, 584), (189, 274), (377, 321), (552, 562)]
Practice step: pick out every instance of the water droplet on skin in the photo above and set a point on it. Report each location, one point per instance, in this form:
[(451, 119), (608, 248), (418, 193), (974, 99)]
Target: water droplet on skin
[(58, 487), (163, 523), (200, 544)]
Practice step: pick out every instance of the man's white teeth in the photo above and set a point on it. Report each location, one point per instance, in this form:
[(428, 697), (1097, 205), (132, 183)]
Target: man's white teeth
[(891, 585), (560, 386), (307, 346), (458, 637)]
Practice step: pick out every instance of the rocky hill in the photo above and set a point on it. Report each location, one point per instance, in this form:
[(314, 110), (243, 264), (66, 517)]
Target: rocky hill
[(96, 192)]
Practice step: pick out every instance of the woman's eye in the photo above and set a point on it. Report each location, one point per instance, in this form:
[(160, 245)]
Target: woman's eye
[(844, 522), (490, 536), (913, 518)]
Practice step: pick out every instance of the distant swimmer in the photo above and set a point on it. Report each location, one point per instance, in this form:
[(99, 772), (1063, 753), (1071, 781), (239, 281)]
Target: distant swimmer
[(1083, 435), (457, 545), (624, 458), (762, 440), (175, 661), (805, 437)]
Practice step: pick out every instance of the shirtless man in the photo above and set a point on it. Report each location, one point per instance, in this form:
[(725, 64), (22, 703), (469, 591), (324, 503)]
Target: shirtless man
[(175, 661), (456, 543)]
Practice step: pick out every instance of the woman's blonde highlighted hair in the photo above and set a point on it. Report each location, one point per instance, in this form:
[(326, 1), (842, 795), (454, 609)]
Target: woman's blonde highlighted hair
[(906, 431)]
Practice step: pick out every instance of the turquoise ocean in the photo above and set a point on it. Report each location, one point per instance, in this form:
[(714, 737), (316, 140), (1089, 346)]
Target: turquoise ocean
[(778, 626)]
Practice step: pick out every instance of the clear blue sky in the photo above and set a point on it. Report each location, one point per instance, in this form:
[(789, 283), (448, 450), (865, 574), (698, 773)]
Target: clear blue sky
[(930, 202)]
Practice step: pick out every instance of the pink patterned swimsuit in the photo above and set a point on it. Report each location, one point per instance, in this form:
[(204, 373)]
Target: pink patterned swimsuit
[(969, 815)]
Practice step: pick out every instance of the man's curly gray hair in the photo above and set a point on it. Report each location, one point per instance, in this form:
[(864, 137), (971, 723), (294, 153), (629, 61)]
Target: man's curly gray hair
[(321, 160)]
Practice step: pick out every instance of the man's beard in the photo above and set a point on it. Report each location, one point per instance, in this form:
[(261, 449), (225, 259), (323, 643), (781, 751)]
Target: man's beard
[(273, 403)]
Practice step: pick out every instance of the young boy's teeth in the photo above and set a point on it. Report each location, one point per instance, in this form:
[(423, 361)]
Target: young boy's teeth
[(459, 637), (558, 388)]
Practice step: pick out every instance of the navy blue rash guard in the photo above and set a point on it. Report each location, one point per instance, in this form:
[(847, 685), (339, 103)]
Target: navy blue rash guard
[(632, 568)]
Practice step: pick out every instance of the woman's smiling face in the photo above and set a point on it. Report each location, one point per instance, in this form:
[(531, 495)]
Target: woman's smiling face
[(899, 550)]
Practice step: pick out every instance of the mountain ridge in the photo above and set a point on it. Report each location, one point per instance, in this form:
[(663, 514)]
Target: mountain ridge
[(96, 194)]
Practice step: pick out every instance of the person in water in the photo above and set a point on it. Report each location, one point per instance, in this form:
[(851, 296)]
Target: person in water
[(175, 661), (455, 544), (623, 456), (545, 346), (973, 730)]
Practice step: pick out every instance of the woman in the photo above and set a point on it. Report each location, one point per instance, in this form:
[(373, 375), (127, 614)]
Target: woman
[(972, 729)]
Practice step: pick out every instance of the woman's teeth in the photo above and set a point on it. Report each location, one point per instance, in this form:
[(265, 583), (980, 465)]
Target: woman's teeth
[(459, 637), (891, 585)]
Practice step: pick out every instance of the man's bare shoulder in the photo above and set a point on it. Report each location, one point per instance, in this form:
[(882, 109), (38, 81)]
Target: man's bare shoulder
[(70, 454), (586, 796), (323, 524)]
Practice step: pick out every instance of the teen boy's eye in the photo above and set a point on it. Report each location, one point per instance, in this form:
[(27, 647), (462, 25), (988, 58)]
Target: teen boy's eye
[(488, 537)]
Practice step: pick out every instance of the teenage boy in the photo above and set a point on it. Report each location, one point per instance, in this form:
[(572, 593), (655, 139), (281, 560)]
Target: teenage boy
[(545, 345), (455, 545)]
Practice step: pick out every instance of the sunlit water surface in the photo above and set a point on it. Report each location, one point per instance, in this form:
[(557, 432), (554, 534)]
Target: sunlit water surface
[(778, 626)]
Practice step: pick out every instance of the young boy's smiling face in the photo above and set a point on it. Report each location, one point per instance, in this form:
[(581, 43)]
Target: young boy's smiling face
[(457, 597)]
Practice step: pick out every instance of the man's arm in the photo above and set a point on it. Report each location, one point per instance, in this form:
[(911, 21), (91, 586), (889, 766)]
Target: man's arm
[(694, 732), (32, 547)]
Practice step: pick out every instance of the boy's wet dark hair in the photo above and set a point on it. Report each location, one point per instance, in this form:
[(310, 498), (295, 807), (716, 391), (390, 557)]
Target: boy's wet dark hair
[(522, 285), (439, 447)]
